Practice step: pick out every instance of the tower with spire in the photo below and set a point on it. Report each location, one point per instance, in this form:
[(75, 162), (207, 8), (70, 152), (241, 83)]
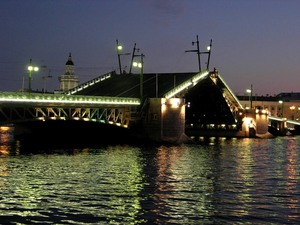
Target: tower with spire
[(68, 80)]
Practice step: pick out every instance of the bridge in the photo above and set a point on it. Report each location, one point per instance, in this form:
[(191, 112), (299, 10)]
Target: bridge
[(18, 107), (171, 105), (282, 126)]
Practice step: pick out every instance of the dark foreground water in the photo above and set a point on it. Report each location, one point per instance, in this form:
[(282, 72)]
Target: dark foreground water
[(216, 181)]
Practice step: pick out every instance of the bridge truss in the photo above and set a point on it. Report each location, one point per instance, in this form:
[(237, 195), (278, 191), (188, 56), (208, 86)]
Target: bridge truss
[(22, 107)]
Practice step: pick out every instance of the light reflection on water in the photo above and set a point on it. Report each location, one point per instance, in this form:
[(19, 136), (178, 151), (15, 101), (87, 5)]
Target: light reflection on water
[(217, 181)]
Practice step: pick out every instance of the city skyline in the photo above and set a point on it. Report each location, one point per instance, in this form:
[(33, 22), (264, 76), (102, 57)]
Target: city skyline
[(253, 42)]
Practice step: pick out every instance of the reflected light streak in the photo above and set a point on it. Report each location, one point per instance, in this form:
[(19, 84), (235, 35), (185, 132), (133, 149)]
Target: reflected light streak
[(292, 172)]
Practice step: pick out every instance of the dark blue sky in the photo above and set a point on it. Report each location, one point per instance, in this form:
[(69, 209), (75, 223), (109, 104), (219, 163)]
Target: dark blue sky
[(254, 42)]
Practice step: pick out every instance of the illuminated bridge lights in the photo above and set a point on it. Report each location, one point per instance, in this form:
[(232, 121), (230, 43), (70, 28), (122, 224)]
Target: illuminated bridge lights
[(277, 118), (231, 93), (88, 84), (14, 97), (186, 84)]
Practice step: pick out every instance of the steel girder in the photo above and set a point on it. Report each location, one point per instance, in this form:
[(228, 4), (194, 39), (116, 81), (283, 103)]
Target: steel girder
[(120, 116)]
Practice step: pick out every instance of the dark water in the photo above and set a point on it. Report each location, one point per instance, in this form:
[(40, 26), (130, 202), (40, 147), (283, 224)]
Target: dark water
[(217, 181)]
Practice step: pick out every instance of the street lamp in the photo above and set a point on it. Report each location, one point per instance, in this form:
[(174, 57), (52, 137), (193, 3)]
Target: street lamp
[(249, 91), (132, 57), (281, 103), (140, 65), (31, 68), (208, 52), (199, 53), (119, 50)]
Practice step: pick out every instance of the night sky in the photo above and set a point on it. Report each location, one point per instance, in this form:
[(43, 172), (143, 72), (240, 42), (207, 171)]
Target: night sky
[(254, 42)]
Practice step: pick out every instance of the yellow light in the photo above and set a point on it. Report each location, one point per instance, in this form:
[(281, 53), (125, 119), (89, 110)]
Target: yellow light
[(163, 107), (247, 121), (30, 68), (292, 107), (119, 47), (135, 64), (4, 128), (36, 69), (174, 102)]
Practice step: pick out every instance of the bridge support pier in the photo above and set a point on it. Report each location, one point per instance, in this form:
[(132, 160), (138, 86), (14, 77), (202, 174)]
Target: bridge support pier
[(255, 124), (165, 120)]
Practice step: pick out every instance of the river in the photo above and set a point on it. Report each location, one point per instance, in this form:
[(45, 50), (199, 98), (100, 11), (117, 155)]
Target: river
[(215, 181)]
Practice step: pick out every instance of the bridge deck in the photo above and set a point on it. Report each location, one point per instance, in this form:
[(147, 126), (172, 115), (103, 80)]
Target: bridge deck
[(128, 85)]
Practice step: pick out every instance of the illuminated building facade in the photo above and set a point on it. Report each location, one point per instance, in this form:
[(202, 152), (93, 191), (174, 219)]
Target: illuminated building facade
[(285, 105), (69, 80)]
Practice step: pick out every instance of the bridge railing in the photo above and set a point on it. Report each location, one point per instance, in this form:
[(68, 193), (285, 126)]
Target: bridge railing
[(13, 98), (16, 107), (88, 83)]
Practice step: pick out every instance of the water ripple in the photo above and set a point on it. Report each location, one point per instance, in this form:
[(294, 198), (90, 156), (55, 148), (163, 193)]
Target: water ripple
[(232, 181)]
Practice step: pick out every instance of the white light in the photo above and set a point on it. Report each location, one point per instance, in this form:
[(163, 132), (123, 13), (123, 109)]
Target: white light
[(175, 102), (137, 64), (9, 97)]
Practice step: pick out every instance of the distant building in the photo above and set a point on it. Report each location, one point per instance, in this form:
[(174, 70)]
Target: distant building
[(68, 80), (285, 104)]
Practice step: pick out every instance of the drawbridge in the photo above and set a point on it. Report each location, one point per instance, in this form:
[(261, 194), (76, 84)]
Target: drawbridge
[(114, 100)]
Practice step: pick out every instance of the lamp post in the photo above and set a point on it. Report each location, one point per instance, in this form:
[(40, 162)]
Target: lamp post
[(119, 52), (133, 55), (250, 96), (199, 53), (208, 52), (140, 65), (292, 108), (31, 68), (281, 103)]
